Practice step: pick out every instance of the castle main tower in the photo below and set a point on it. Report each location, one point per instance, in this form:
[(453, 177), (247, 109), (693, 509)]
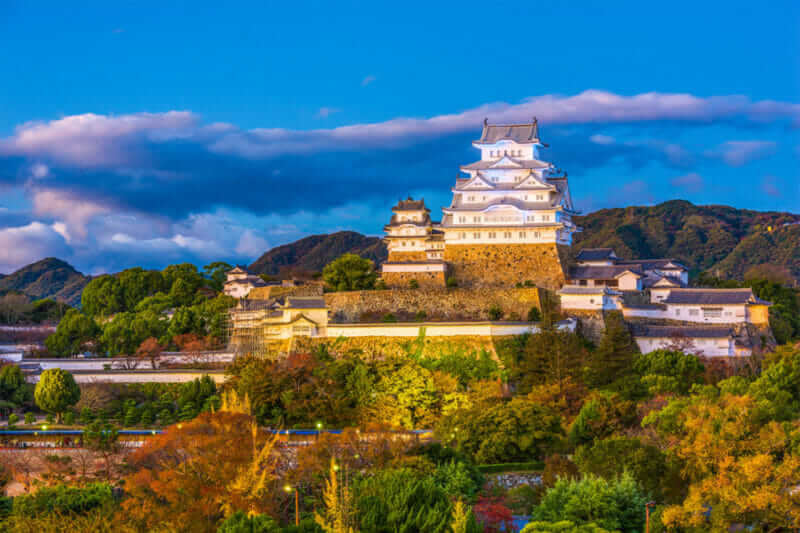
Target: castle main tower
[(510, 220)]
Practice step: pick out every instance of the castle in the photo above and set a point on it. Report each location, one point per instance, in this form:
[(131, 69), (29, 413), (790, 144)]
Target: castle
[(503, 240), (509, 222)]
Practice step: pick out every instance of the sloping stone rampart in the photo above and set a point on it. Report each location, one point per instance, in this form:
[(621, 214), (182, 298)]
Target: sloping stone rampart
[(371, 348), (407, 256), (437, 304), (486, 265)]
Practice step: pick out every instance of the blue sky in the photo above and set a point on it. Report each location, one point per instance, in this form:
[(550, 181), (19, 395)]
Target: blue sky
[(138, 133)]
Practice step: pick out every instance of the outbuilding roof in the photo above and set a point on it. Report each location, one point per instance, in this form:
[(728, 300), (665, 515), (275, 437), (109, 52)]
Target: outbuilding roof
[(596, 254), (512, 163), (602, 272), (304, 302), (409, 204), (713, 297), (577, 289), (652, 264)]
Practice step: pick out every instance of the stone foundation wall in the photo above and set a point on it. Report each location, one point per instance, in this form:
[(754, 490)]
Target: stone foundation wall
[(407, 256), (276, 291), (372, 348), (401, 280), (437, 304), (482, 265)]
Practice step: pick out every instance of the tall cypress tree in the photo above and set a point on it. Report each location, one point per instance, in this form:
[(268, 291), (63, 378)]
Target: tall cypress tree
[(613, 358)]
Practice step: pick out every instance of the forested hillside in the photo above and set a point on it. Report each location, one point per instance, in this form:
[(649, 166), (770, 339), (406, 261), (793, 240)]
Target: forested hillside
[(720, 239), (311, 254), (48, 278)]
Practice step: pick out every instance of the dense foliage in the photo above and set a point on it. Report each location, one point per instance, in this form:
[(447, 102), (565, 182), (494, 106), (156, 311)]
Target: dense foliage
[(120, 312), (349, 272)]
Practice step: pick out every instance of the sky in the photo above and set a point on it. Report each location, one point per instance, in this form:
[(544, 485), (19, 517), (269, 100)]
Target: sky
[(148, 133)]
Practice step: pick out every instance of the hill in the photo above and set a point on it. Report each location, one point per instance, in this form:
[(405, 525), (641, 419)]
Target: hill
[(48, 278), (723, 240), (311, 254)]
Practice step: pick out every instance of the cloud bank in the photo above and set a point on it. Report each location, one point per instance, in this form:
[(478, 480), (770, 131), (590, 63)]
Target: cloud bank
[(152, 185)]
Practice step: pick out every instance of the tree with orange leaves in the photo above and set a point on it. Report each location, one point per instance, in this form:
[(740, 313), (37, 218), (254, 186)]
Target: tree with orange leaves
[(198, 473)]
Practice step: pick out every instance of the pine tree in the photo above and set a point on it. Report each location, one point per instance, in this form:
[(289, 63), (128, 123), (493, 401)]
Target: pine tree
[(613, 358)]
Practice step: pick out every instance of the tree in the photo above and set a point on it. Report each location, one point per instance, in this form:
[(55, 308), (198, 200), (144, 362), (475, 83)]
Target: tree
[(73, 334), (518, 430), (233, 468), (616, 505), (339, 512), (102, 296), (56, 391), (103, 438), (150, 349), (13, 387), (239, 522), (13, 306), (216, 274), (551, 357), (126, 332), (349, 272), (601, 416), (665, 371), (401, 500), (613, 358)]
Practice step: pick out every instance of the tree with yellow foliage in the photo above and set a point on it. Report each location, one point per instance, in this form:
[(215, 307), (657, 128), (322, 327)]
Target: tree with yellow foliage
[(339, 512)]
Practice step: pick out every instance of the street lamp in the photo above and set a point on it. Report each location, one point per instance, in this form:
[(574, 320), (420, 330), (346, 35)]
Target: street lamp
[(647, 507), (319, 429), (288, 489)]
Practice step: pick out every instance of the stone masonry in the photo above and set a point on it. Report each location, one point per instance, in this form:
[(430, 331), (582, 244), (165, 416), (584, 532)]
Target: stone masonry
[(424, 279), (492, 265)]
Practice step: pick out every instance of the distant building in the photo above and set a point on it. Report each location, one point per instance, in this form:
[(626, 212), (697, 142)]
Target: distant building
[(601, 267), (720, 306), (598, 298), (240, 282), (707, 341)]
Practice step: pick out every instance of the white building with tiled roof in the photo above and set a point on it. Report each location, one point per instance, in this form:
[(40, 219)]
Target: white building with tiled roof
[(510, 195)]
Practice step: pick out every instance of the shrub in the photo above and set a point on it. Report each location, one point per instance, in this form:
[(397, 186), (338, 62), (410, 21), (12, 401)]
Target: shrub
[(413, 284), (69, 418), (534, 315), (389, 317), (63, 499), (13, 418), (30, 418), (615, 505), (239, 522), (451, 282), (495, 313), (420, 316), (380, 285)]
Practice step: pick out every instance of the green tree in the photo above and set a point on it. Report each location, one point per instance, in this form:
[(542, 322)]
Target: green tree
[(514, 431), (103, 438), (73, 334), (615, 505), (613, 358), (136, 284), (184, 321), (349, 272), (102, 296), (56, 391), (126, 332), (13, 387), (216, 274), (668, 371), (601, 416), (551, 357), (657, 472), (401, 500)]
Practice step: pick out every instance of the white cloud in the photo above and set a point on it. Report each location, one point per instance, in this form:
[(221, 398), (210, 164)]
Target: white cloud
[(738, 153), (76, 212), (692, 182), (22, 245), (251, 245)]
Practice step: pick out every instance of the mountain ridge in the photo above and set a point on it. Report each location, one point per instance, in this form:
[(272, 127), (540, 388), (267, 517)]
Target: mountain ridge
[(47, 278)]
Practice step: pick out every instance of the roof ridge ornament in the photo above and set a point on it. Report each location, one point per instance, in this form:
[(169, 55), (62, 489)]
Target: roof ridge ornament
[(535, 129)]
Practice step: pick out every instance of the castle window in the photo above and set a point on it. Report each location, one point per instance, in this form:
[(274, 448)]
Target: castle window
[(536, 234), (492, 235), (476, 235), (507, 235), (463, 235), (521, 234), (539, 197), (404, 243), (476, 219)]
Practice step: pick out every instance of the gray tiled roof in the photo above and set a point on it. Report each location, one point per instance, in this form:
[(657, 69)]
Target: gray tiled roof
[(713, 297), (705, 332), (651, 264), (674, 281), (522, 164), (575, 289), (521, 204), (601, 272), (297, 302), (595, 254), (410, 204), (520, 133)]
